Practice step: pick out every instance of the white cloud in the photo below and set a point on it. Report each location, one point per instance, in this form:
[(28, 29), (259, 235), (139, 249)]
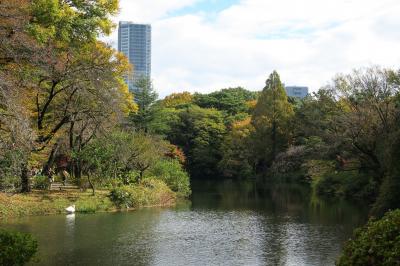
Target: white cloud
[(307, 41)]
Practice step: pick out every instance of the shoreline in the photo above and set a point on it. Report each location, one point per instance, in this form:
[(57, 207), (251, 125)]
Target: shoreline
[(43, 203)]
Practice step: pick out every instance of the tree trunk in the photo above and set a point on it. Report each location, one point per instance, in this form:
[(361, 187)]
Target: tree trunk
[(141, 172), (50, 160), (91, 184), (25, 183)]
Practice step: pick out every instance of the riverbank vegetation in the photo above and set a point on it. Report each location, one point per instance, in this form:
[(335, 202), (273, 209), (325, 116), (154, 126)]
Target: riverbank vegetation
[(376, 243), (66, 115), (16, 248), (342, 139), (149, 193)]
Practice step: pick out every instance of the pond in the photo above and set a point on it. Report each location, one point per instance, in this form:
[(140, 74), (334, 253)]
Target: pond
[(226, 223)]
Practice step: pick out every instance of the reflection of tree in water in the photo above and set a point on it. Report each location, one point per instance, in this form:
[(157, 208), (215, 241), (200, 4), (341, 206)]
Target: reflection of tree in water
[(96, 239), (295, 200)]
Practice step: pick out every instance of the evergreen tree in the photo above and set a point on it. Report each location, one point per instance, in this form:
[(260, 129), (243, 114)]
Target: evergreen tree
[(145, 96), (270, 119)]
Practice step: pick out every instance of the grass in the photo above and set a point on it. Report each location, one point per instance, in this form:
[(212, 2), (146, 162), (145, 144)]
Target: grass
[(41, 202), (52, 202), (150, 192)]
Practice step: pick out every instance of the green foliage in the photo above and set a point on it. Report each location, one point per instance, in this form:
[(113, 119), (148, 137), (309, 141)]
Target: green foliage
[(41, 182), (91, 204), (72, 22), (16, 248), (389, 195), (289, 165), (172, 173), (122, 196), (237, 152), (377, 243), (346, 184), (120, 154), (389, 192), (148, 193), (270, 119), (145, 97), (176, 100), (200, 133), (164, 120), (10, 169), (232, 100)]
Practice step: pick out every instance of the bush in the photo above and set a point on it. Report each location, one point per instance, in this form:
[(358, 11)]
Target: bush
[(16, 248), (149, 192), (288, 165), (389, 195), (10, 183), (172, 173), (346, 184), (377, 243), (41, 182), (122, 196)]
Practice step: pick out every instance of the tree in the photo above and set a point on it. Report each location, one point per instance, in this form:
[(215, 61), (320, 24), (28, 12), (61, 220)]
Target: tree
[(120, 155), (270, 119), (237, 160), (231, 100), (200, 133), (148, 151), (172, 173), (177, 99), (40, 48), (145, 96), (376, 243)]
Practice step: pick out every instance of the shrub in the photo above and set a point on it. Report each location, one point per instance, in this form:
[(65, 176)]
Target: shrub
[(122, 196), (149, 192), (377, 243), (16, 248), (346, 184), (389, 195), (172, 173), (41, 182), (9, 183), (288, 165)]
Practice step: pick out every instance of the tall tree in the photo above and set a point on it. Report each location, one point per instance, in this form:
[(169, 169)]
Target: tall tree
[(270, 119), (237, 156), (145, 97), (199, 132)]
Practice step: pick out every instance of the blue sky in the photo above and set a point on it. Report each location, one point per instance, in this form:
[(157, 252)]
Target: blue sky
[(209, 7), (206, 45)]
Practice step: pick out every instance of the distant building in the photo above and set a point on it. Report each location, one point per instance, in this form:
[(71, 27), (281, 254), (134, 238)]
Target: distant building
[(296, 91), (134, 41)]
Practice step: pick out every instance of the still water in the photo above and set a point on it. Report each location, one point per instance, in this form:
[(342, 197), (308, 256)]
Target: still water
[(226, 223)]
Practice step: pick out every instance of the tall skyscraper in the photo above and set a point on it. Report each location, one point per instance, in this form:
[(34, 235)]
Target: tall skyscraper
[(134, 41), (296, 91)]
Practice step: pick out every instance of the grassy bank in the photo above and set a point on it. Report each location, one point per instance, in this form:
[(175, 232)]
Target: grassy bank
[(54, 202)]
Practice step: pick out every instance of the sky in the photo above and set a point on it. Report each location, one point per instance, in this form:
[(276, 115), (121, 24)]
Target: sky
[(207, 45)]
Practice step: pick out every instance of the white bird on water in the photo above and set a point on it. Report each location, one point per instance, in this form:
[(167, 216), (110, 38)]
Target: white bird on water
[(70, 209)]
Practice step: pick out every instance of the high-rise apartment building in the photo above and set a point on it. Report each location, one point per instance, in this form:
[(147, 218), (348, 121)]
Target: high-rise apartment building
[(296, 91), (134, 41)]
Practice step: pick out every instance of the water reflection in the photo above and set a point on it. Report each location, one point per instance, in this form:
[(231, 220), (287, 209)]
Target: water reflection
[(226, 223)]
